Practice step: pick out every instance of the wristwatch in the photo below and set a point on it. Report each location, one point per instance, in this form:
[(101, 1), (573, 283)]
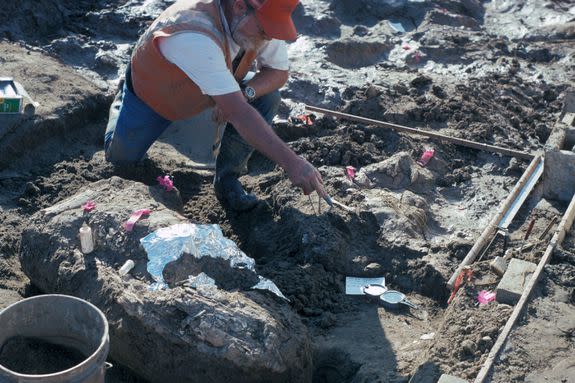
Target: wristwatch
[(249, 93)]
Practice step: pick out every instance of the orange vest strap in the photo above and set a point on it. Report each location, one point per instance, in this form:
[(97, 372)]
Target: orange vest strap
[(245, 64)]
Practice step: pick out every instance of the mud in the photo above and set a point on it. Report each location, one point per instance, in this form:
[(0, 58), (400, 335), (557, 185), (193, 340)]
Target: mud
[(492, 72), (37, 357)]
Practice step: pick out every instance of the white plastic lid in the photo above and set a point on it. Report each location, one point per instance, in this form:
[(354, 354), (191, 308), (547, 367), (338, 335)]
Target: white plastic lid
[(374, 289)]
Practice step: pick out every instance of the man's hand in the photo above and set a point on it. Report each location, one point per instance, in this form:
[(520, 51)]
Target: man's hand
[(253, 128), (302, 174)]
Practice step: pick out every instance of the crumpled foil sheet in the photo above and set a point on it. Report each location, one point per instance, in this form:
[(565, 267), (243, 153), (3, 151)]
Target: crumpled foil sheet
[(169, 243)]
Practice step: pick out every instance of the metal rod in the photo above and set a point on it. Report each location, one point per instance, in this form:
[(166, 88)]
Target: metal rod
[(505, 240), (487, 248), (553, 220), (529, 229), (400, 128), (518, 202), (492, 226), (563, 228)]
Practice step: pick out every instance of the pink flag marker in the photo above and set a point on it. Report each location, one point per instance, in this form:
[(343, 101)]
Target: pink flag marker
[(166, 182), (89, 206), (129, 224), (350, 172), (426, 156), (417, 57), (485, 297)]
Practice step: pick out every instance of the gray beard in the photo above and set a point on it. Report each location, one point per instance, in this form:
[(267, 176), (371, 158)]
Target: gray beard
[(240, 39), (245, 43)]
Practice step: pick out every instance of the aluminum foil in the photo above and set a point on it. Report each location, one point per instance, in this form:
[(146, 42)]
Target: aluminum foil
[(169, 243), (202, 279)]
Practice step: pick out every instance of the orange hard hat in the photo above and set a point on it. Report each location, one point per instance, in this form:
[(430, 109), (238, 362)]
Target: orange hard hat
[(274, 17)]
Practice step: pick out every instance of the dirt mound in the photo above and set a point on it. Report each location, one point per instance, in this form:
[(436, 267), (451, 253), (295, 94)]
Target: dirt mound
[(250, 337)]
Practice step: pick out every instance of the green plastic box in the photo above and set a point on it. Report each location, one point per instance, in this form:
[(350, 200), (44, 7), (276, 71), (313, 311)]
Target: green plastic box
[(11, 102)]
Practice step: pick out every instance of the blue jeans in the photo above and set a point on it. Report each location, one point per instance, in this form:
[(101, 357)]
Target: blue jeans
[(133, 127)]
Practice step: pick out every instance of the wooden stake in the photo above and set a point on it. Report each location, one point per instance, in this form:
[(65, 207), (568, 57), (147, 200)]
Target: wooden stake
[(492, 226), (400, 128)]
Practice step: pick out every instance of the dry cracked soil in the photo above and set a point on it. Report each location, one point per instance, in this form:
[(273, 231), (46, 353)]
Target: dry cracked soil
[(495, 72)]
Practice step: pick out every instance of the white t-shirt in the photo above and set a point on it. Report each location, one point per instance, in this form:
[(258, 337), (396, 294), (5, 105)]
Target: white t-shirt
[(203, 61)]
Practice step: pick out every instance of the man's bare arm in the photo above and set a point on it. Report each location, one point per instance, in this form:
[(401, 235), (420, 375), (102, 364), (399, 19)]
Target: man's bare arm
[(254, 129)]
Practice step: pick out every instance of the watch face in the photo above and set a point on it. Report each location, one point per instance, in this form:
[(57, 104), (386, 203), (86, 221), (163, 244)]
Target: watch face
[(250, 92)]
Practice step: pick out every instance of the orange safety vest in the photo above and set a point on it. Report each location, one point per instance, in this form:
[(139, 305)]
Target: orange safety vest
[(162, 85)]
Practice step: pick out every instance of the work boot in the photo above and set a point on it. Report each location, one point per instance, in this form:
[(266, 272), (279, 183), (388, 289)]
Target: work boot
[(230, 193), (232, 161), (230, 165)]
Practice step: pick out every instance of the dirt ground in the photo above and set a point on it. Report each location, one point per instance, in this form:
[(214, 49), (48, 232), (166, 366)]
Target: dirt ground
[(492, 72)]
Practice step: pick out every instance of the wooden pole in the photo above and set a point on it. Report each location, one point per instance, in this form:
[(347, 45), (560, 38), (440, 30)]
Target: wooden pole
[(492, 226), (563, 228), (400, 128)]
